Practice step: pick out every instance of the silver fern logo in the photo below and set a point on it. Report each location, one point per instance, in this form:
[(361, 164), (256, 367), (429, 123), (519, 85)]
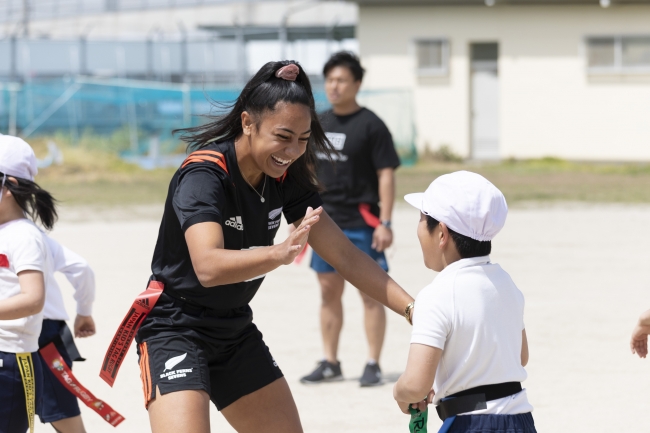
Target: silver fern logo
[(274, 213), (173, 362)]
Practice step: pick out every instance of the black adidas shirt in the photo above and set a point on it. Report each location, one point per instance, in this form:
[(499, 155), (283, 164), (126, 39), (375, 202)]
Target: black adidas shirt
[(211, 188), (364, 146)]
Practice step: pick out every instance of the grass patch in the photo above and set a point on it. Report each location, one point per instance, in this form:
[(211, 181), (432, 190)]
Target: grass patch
[(544, 180), (91, 175)]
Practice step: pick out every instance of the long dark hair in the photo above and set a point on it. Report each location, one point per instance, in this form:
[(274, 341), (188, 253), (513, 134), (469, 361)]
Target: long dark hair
[(262, 93), (33, 200)]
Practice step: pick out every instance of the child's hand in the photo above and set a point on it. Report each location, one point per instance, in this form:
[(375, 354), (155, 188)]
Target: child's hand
[(639, 340), (84, 326), (421, 405)]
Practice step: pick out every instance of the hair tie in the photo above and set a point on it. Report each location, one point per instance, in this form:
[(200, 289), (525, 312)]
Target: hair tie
[(289, 72)]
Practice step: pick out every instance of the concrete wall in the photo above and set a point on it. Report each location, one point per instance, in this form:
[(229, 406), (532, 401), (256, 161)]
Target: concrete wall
[(549, 104)]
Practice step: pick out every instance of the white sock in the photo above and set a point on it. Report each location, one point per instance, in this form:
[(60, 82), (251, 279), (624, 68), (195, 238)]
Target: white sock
[(372, 362)]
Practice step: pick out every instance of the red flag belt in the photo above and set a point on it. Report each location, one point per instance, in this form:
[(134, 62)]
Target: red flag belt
[(62, 372), (125, 334), (369, 218)]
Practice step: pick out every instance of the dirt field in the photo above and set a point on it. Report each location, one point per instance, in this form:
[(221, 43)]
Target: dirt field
[(583, 269)]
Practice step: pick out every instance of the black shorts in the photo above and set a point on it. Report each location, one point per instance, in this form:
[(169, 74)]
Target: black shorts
[(58, 402), (183, 347)]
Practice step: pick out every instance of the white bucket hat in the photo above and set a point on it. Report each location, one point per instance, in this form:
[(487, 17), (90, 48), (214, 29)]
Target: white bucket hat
[(17, 158), (466, 202)]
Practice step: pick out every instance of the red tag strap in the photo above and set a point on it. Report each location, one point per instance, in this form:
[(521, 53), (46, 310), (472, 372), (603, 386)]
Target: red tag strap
[(125, 334), (301, 255), (368, 217), (62, 372)]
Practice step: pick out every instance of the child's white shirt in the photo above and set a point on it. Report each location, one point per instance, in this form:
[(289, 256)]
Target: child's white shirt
[(77, 272), (24, 248), (474, 312)]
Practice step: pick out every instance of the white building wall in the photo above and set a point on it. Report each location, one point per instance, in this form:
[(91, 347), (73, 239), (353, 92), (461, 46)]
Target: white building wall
[(549, 104)]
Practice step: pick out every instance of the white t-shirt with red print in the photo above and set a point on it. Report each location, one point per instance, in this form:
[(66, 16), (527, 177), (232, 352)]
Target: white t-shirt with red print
[(22, 247)]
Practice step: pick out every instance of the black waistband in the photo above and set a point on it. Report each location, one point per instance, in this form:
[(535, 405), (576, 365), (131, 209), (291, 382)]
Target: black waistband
[(190, 307), (473, 399)]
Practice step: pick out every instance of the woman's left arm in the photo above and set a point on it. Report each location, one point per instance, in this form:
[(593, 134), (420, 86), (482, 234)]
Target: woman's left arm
[(327, 239)]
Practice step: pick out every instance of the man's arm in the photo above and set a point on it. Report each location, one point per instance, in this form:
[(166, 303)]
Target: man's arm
[(382, 238)]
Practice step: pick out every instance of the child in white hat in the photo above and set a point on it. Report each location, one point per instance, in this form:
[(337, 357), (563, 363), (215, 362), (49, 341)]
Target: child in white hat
[(468, 340), (32, 312)]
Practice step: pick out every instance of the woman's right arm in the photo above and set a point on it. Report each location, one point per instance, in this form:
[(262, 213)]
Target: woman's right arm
[(214, 265), (29, 301)]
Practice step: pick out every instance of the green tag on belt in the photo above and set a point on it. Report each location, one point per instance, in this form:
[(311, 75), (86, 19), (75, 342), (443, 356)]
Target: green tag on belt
[(418, 422)]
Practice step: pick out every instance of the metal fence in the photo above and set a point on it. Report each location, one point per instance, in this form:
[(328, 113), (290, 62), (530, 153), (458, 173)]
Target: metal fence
[(145, 113), (21, 10), (213, 61)]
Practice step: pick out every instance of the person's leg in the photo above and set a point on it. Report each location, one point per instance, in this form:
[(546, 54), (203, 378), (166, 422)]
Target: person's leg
[(181, 412), (331, 312), (69, 425), (375, 324), (270, 410)]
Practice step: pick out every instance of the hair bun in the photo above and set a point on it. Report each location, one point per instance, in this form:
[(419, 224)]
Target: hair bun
[(289, 72)]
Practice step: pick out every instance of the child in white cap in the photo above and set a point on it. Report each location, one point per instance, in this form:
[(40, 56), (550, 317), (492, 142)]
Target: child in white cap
[(468, 339), (32, 312)]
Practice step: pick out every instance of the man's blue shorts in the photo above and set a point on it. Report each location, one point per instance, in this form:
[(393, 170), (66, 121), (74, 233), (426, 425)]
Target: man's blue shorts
[(13, 405), (362, 239), (58, 402)]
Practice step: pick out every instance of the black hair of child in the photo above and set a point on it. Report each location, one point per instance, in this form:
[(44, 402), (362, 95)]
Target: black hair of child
[(348, 60), (262, 94), (33, 200), (466, 246)]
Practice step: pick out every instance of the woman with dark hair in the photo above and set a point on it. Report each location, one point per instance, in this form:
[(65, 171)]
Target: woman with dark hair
[(215, 245)]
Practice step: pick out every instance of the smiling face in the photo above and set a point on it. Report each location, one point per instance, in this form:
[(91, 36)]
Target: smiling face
[(278, 137)]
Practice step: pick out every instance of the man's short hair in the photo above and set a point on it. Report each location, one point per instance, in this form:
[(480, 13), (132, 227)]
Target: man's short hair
[(466, 246), (348, 60)]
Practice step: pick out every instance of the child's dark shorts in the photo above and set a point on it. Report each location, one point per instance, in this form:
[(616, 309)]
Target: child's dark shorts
[(186, 347), (520, 423), (58, 402), (13, 401)]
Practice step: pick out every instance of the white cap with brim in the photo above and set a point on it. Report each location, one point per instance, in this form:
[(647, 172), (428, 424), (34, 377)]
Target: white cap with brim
[(466, 202), (17, 158)]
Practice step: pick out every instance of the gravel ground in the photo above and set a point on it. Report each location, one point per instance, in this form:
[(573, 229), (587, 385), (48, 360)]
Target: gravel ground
[(583, 269)]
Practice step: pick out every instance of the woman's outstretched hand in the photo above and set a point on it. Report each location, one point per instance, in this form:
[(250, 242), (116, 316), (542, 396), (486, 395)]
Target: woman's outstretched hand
[(297, 239)]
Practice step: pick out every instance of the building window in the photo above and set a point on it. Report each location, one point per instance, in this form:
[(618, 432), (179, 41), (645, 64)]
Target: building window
[(432, 56), (618, 54)]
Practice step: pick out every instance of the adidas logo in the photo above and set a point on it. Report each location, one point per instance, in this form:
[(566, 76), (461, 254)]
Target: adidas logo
[(143, 303), (236, 223)]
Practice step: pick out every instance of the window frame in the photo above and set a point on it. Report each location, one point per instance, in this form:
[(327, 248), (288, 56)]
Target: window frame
[(618, 67), (445, 51)]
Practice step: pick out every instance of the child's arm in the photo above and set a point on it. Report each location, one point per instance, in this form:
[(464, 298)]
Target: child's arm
[(81, 276), (524, 348), (29, 301), (639, 341), (416, 382)]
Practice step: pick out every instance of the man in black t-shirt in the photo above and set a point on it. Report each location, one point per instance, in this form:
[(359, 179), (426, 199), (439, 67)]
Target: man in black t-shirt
[(360, 180)]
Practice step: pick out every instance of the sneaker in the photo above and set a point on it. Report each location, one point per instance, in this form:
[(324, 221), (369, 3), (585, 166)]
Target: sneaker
[(325, 372), (371, 375)]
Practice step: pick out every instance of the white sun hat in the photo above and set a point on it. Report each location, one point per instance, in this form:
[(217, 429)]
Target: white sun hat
[(466, 202), (17, 158)]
